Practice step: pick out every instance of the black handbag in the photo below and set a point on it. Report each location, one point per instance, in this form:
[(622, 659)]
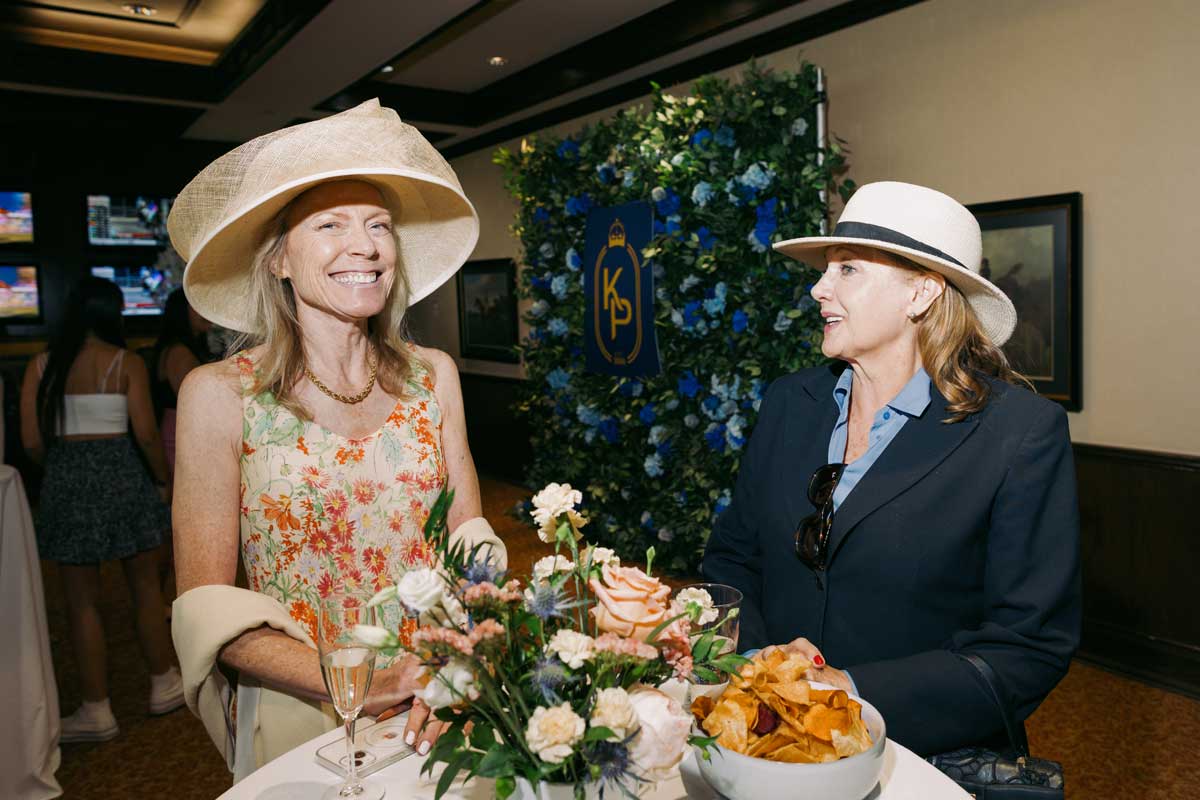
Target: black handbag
[(989, 775)]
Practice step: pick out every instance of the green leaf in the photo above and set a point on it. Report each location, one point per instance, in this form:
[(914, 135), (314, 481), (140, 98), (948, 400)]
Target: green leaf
[(452, 770), (483, 737), (505, 786), (598, 734), (393, 450), (496, 763)]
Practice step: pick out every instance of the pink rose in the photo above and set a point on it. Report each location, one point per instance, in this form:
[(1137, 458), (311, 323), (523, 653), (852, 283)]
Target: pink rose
[(663, 729), (676, 647), (629, 602)]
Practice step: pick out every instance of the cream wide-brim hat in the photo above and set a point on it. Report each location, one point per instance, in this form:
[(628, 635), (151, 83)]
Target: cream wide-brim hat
[(221, 219), (925, 226)]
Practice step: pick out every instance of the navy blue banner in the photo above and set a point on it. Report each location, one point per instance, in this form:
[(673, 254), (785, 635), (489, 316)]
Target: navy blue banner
[(619, 288)]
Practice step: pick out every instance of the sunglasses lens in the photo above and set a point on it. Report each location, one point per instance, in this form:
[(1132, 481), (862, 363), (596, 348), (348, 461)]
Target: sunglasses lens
[(823, 483), (808, 540)]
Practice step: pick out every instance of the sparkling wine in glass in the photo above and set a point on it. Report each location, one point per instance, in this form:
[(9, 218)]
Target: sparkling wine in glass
[(347, 666)]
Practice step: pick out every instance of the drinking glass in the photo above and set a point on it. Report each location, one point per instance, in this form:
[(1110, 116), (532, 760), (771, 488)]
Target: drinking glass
[(347, 666), (725, 598)]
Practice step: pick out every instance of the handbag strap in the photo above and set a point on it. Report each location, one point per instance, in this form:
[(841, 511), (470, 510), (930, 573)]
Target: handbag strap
[(1016, 733)]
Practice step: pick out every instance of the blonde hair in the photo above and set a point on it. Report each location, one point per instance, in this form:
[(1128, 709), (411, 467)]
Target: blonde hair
[(280, 366)]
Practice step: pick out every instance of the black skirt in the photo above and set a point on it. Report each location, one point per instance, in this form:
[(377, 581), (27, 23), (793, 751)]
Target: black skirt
[(98, 503)]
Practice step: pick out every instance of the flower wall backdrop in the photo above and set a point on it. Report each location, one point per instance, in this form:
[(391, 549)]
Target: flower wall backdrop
[(729, 169)]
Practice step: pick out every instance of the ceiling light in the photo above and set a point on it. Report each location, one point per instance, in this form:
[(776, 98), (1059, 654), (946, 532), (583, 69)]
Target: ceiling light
[(140, 9), (387, 68), (497, 61)]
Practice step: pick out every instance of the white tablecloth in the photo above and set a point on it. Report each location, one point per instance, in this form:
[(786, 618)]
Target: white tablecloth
[(29, 754), (297, 776)]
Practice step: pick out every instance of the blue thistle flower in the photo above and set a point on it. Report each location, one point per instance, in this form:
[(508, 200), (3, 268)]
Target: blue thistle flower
[(545, 601), (548, 676)]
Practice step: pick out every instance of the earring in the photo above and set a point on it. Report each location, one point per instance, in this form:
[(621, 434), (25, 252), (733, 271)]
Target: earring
[(912, 315)]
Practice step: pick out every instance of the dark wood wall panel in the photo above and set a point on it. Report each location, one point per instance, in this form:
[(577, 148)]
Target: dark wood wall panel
[(1140, 520), (499, 436)]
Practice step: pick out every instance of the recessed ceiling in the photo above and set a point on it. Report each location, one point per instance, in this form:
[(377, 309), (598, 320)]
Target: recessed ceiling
[(184, 31), (228, 70)]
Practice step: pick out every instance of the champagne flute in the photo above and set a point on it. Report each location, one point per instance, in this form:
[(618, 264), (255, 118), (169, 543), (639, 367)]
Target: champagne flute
[(347, 666)]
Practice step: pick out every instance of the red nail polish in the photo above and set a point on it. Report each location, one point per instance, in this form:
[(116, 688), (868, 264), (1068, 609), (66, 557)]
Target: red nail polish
[(820, 662)]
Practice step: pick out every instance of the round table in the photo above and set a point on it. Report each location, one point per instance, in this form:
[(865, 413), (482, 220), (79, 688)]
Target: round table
[(296, 775)]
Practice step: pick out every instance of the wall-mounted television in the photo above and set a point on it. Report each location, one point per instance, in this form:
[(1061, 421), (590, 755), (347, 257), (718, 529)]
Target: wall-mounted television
[(20, 300), (145, 288), (127, 219), (16, 218)]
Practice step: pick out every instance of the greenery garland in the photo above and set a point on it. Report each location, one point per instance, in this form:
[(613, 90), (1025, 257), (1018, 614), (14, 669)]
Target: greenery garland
[(729, 169)]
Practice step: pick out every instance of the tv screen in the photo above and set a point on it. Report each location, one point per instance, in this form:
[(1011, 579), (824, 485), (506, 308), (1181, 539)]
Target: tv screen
[(145, 288), (16, 218), (19, 294), (128, 220)]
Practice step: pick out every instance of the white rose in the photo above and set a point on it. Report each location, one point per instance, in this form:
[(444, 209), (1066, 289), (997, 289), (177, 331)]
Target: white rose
[(451, 685), (374, 636), (548, 566), (662, 733), (695, 596), (420, 589), (553, 732), (600, 556), (572, 647), (614, 711)]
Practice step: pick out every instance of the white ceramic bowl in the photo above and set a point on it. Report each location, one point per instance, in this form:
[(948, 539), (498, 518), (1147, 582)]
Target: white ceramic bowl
[(740, 777)]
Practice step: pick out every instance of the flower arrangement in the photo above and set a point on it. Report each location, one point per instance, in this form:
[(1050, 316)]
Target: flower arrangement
[(553, 681), (729, 169)]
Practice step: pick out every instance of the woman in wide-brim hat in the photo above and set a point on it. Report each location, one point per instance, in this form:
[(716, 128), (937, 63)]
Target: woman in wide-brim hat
[(911, 505), (314, 455)]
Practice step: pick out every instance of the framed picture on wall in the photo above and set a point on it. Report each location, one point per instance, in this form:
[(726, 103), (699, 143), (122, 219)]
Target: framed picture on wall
[(1032, 250), (487, 310)]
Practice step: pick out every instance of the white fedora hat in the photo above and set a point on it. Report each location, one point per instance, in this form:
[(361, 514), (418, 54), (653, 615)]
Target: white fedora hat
[(221, 218), (925, 226)]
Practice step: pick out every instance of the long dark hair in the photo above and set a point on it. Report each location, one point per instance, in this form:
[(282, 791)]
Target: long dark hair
[(177, 329), (93, 307)]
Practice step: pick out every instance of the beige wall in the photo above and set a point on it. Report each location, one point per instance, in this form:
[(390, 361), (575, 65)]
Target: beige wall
[(1001, 100)]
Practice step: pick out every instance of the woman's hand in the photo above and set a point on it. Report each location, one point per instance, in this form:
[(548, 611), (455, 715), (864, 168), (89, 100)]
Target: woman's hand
[(819, 671), (399, 682)]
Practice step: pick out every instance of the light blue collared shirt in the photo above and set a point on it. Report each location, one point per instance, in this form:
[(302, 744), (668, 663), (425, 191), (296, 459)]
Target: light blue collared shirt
[(911, 402)]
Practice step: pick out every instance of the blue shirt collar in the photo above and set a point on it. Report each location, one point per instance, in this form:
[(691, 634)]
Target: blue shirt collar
[(912, 400)]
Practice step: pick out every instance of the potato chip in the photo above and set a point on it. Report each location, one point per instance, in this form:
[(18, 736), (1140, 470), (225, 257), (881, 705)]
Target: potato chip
[(727, 723)]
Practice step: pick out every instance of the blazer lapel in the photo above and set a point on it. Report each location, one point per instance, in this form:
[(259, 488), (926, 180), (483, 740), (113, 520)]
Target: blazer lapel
[(806, 435), (918, 448)]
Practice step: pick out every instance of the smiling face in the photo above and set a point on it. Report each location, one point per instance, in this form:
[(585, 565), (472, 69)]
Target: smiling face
[(866, 297), (340, 251)]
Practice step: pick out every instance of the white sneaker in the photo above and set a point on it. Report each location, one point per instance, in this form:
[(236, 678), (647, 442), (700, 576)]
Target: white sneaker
[(92, 722), (166, 692)]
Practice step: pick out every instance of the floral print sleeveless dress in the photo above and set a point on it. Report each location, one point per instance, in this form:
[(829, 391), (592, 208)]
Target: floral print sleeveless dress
[(321, 512)]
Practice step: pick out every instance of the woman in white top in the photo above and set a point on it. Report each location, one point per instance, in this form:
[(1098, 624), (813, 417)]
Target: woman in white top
[(97, 501)]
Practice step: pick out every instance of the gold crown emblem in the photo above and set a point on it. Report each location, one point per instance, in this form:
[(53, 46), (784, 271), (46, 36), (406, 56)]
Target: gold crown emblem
[(616, 234)]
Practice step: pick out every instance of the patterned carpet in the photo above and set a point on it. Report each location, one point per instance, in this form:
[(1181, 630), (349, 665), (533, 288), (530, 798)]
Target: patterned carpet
[(1115, 737)]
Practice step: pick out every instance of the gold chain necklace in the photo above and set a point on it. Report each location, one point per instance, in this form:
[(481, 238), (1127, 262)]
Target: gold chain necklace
[(348, 399)]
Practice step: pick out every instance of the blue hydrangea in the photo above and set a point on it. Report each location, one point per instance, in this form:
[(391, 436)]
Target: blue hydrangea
[(691, 421), (740, 321), (677, 318), (701, 137), (606, 173), (664, 449), (672, 404), (647, 520), (740, 193), (578, 204), (658, 435), (648, 415), (541, 215), (568, 149), (799, 126), (678, 158), (688, 385), (705, 238), (723, 501), (588, 415), (653, 465), (538, 308), (714, 435), (756, 243), (714, 299), (782, 322), (665, 534), (691, 313), (558, 378), (540, 281), (557, 327), (757, 175), (608, 429), (764, 225), (735, 431), (702, 193), (546, 251), (671, 227), (574, 262), (667, 203), (558, 287), (630, 389), (628, 178), (724, 136), (688, 283)]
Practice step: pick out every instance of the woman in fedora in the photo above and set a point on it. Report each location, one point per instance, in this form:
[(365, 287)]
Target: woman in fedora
[(906, 518), (314, 456)]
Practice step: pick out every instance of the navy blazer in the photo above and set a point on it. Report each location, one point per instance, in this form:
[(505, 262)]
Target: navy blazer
[(961, 538)]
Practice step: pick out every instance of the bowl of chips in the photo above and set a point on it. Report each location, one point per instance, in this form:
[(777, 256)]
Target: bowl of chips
[(779, 734)]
